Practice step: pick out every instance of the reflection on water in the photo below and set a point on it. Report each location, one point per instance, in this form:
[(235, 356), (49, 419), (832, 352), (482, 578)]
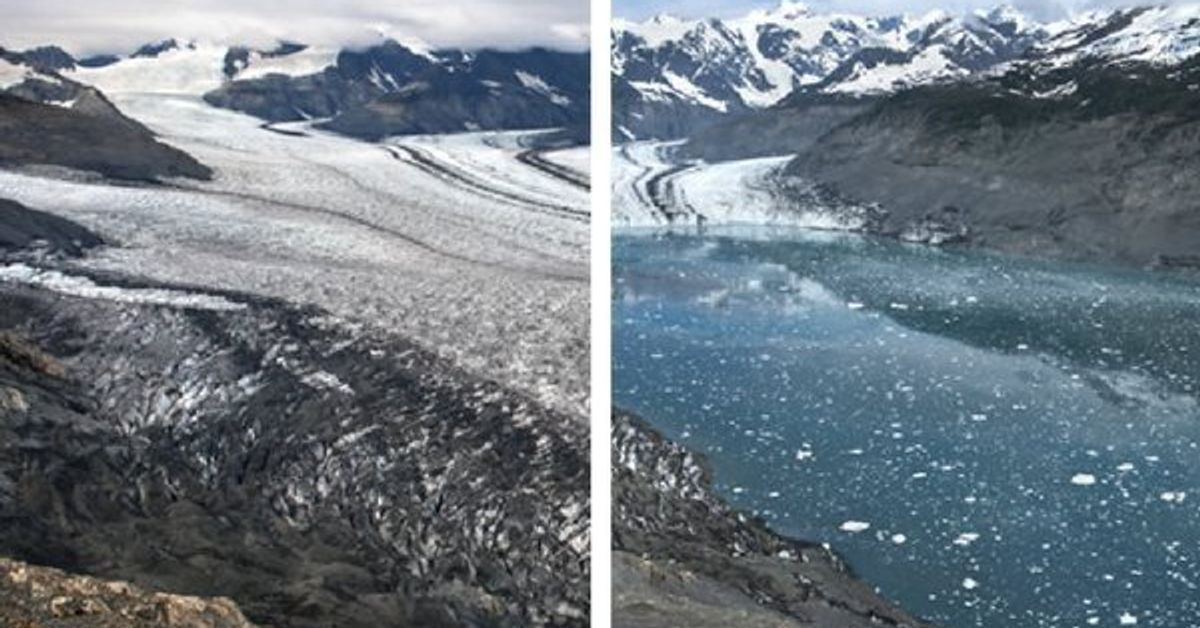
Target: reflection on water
[(993, 442)]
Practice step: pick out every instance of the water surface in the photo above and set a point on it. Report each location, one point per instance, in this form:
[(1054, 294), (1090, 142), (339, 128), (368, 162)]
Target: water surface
[(993, 442)]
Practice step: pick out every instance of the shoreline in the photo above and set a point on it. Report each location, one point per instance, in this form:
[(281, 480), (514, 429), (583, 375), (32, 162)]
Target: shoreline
[(683, 556)]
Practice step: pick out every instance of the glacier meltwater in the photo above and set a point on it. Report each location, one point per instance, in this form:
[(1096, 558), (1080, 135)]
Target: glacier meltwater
[(992, 442)]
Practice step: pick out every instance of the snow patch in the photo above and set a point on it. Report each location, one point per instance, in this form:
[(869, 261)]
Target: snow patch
[(77, 286), (539, 85), (12, 74), (194, 69), (303, 63)]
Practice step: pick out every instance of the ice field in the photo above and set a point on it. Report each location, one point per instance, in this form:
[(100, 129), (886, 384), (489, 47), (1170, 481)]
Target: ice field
[(452, 240)]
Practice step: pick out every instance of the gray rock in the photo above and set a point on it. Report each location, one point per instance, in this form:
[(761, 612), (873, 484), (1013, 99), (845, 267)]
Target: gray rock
[(1111, 173), (682, 557), (28, 230), (391, 90), (92, 135)]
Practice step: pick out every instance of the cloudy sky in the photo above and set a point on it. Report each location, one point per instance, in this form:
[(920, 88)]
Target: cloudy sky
[(1046, 9), (122, 25)]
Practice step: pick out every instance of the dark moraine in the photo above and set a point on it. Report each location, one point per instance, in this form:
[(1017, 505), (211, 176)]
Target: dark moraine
[(226, 445)]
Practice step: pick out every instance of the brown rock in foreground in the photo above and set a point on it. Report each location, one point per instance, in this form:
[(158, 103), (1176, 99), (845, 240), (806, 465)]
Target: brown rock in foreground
[(35, 597)]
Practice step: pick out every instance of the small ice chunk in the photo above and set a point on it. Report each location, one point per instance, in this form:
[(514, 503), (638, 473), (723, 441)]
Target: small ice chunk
[(1128, 619), (899, 539), (966, 538), (804, 454), (854, 305), (970, 584), (854, 527), (1173, 497), (1126, 467), (1083, 479)]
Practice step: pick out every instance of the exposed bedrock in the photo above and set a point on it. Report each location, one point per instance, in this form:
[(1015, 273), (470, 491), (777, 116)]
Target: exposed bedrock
[(30, 231), (90, 135), (682, 557), (1109, 174), (786, 129), (36, 597)]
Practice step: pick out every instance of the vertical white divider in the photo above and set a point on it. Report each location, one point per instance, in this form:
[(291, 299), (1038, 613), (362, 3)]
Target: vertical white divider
[(601, 363)]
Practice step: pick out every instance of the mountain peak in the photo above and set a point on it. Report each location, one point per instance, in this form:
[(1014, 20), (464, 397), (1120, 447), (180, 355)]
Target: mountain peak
[(154, 49), (1007, 14), (791, 8)]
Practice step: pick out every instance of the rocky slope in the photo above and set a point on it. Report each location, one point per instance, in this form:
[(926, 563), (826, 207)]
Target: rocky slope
[(789, 128), (682, 557), (48, 119), (37, 597), (25, 231), (385, 89), (1084, 148), (392, 90), (223, 445), (1089, 160), (103, 142)]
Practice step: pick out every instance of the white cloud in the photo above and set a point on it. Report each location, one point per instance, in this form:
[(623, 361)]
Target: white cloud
[(122, 25), (1043, 9)]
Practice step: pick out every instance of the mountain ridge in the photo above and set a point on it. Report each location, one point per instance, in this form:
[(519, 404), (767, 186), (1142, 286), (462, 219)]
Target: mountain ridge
[(674, 77), (369, 92)]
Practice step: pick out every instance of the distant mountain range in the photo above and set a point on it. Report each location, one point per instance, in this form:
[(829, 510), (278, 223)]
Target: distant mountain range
[(386, 89), (673, 77)]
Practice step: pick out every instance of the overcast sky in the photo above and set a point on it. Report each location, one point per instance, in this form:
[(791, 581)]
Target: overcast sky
[(1045, 9), (122, 25)]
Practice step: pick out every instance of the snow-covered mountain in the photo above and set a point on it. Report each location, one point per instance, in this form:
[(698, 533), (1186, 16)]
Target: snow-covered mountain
[(672, 76), (389, 88), (736, 65), (393, 89), (1158, 35)]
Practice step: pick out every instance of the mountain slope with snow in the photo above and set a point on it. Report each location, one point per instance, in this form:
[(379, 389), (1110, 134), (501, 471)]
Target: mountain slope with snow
[(386, 89), (712, 69), (1083, 146), (393, 89)]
